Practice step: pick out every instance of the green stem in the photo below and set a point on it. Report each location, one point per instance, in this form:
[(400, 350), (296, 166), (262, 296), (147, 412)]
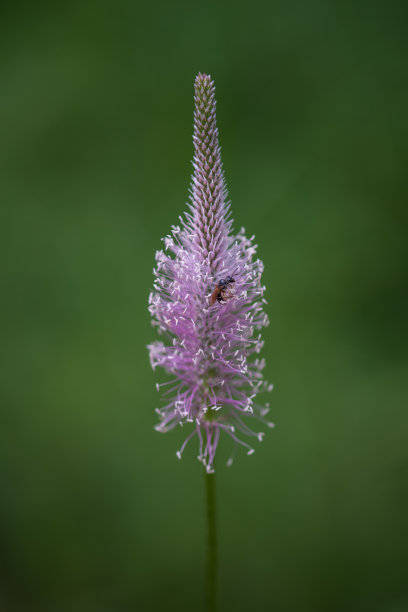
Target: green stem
[(211, 560)]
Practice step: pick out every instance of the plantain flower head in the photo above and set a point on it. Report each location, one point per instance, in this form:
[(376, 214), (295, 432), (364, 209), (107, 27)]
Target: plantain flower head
[(208, 306)]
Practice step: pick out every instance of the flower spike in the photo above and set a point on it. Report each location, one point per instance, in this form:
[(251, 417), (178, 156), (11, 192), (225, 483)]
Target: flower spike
[(208, 303)]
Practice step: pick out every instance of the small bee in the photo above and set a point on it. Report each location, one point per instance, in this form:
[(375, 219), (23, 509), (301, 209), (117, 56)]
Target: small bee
[(221, 292)]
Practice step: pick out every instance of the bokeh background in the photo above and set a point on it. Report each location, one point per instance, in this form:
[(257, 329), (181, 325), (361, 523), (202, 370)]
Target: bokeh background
[(96, 513)]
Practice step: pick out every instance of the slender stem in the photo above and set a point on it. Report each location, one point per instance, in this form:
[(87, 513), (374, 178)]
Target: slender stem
[(211, 560)]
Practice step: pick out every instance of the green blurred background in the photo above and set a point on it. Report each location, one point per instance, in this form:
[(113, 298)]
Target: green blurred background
[(96, 513)]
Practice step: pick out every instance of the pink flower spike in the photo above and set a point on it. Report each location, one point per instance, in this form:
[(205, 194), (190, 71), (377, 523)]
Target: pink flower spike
[(208, 303)]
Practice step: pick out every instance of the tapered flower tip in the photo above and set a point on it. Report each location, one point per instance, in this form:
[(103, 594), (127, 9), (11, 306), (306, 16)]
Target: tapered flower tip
[(203, 78), (204, 89)]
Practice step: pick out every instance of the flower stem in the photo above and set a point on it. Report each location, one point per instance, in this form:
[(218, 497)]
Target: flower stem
[(211, 559)]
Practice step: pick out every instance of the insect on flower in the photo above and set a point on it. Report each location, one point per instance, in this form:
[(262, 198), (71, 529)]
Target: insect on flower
[(222, 291)]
